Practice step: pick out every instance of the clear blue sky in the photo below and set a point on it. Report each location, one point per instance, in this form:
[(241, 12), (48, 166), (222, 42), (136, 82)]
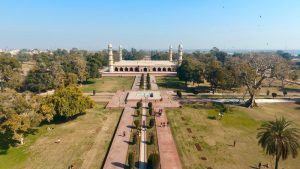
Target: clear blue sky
[(150, 24)]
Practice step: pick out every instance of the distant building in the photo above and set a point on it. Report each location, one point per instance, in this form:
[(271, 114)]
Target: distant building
[(145, 65)]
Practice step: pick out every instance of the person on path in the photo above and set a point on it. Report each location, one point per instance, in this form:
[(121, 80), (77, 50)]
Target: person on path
[(233, 143), (259, 165), (124, 133)]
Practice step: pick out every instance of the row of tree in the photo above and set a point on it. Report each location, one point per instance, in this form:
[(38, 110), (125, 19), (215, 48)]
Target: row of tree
[(222, 71)]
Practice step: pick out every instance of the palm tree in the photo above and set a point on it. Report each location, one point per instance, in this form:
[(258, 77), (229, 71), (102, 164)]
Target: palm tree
[(279, 139)]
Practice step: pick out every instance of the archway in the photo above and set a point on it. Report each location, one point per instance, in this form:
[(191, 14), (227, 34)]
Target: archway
[(126, 69), (136, 69), (145, 69), (164, 69), (154, 69), (116, 69), (131, 69), (159, 69), (169, 70), (121, 69)]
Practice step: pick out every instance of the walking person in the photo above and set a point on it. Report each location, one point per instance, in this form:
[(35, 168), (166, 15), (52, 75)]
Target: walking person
[(233, 143)]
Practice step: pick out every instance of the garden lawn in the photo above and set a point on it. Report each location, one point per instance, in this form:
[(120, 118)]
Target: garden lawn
[(170, 83), (107, 84), (84, 143), (195, 124)]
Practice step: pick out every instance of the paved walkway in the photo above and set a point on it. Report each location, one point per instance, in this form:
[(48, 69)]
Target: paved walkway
[(118, 151), (153, 83), (136, 83), (143, 144), (169, 158)]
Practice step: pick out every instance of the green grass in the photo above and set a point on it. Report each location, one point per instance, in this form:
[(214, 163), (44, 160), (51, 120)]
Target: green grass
[(83, 139), (18, 155), (108, 84), (216, 136), (170, 83)]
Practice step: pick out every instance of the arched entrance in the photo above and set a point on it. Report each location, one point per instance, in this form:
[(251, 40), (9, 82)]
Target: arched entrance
[(136, 69), (131, 69), (164, 69), (169, 70), (145, 69), (126, 69), (121, 69), (116, 69), (159, 69), (154, 69)]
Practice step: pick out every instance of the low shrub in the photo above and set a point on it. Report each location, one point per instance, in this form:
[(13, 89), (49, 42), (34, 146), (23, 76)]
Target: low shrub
[(274, 95), (151, 122), (139, 105), (153, 161), (179, 94), (131, 160)]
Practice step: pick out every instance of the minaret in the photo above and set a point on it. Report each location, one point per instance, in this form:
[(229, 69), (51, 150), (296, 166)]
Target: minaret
[(110, 58), (179, 53), (120, 53), (170, 53)]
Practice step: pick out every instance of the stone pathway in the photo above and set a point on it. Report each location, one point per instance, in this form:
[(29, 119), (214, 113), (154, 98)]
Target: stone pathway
[(153, 83), (143, 144), (169, 158), (118, 151), (167, 149), (136, 83)]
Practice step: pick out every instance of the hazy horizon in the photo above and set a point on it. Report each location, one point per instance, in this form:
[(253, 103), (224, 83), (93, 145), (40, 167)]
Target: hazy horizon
[(153, 25)]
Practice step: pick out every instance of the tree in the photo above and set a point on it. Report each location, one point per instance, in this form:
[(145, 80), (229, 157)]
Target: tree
[(153, 161), (75, 64), (10, 72), (152, 138), (17, 116), (220, 55), (139, 104), (131, 160), (150, 105), (93, 65), (40, 79), (253, 69), (151, 122), (137, 123), (179, 94), (66, 102), (279, 139), (186, 69), (214, 74)]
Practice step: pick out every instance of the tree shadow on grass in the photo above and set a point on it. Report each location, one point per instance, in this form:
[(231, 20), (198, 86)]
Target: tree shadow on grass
[(120, 165), (130, 126), (254, 167), (5, 142), (61, 119), (88, 82), (212, 117)]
